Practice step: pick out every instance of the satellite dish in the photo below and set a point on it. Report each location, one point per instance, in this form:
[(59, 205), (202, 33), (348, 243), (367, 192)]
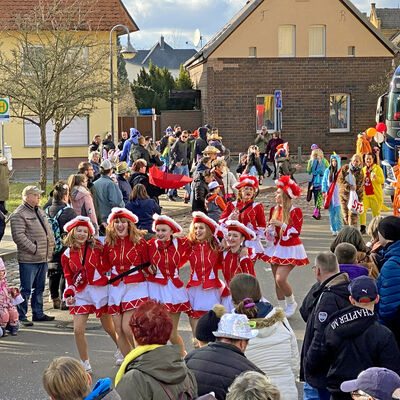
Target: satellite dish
[(197, 37)]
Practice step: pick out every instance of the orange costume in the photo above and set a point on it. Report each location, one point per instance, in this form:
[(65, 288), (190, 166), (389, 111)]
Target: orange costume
[(363, 146), (396, 197)]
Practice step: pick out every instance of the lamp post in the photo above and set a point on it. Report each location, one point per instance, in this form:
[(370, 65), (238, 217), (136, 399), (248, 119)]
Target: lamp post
[(126, 50)]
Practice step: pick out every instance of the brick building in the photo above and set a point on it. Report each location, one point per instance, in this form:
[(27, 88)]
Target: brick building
[(322, 54)]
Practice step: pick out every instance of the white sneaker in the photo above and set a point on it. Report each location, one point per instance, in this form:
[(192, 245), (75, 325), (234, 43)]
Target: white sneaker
[(290, 309), (87, 366), (119, 358)]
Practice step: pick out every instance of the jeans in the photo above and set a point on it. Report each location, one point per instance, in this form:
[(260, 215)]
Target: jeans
[(33, 281), (310, 393), (265, 166), (182, 170)]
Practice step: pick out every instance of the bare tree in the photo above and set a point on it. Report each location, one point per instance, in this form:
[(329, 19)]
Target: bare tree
[(56, 70)]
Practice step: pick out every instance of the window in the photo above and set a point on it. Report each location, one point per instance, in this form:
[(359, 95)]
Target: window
[(339, 113), (75, 134), (351, 51), (265, 112), (78, 58), (252, 51), (316, 40), (394, 107), (287, 41), (32, 59)]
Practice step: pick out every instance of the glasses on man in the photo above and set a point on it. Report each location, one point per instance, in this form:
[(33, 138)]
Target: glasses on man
[(184, 137)]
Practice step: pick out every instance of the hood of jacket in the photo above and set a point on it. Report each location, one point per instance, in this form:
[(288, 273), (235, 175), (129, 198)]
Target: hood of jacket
[(337, 284), (350, 322), (338, 160), (270, 323), (163, 364), (203, 133), (78, 192)]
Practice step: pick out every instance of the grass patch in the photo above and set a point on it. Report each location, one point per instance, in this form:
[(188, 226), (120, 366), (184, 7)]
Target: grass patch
[(15, 198)]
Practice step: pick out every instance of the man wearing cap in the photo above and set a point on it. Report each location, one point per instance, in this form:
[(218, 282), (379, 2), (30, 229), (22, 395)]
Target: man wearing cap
[(261, 141), (107, 192), (34, 239), (389, 278), (218, 364), (374, 384), (123, 174), (355, 340)]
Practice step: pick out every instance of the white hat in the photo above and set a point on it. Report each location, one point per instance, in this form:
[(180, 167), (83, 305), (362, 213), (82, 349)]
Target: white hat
[(235, 326), (165, 220), (106, 165), (214, 184)]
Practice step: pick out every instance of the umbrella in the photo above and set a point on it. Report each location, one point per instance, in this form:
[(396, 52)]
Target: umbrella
[(166, 180)]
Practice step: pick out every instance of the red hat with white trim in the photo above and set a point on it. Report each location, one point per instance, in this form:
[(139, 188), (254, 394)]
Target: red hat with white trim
[(237, 226), (289, 186), (117, 212), (165, 220), (246, 180), (80, 220), (199, 216)]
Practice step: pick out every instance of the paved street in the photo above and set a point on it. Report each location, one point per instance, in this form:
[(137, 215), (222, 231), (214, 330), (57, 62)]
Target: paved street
[(26, 356)]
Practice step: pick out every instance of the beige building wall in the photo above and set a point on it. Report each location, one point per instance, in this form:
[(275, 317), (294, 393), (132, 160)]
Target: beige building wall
[(260, 30)]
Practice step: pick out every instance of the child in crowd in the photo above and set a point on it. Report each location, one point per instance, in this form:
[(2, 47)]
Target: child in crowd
[(346, 255), (330, 190), (66, 379), (282, 161), (215, 203), (254, 166), (8, 311)]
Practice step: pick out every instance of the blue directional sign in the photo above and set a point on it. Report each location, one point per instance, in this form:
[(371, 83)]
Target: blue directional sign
[(146, 111), (278, 99)]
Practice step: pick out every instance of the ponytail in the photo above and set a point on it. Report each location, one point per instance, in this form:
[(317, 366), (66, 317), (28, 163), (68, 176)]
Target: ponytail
[(247, 307)]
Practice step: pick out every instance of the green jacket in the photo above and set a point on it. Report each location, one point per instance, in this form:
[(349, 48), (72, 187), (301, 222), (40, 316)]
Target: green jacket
[(163, 364), (261, 142)]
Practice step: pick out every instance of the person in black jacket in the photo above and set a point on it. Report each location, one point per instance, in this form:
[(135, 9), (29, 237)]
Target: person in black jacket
[(218, 364), (201, 143), (94, 146), (201, 191), (138, 151), (124, 137), (108, 143), (325, 298), (355, 340), (55, 272)]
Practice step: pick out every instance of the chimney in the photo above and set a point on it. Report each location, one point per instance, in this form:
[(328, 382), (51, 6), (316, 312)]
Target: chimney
[(161, 42), (373, 6)]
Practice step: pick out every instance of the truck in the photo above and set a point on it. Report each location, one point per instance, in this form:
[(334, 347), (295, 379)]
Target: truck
[(388, 112)]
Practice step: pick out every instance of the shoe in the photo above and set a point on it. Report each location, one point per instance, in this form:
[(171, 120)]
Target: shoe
[(26, 322), (5, 334), (274, 177), (290, 309), (87, 366), (269, 174), (43, 318), (57, 303), (14, 331), (171, 198), (334, 233), (186, 200), (64, 306), (317, 214), (119, 358)]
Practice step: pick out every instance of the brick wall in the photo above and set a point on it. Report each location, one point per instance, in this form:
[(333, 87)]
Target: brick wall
[(233, 84), (188, 119)]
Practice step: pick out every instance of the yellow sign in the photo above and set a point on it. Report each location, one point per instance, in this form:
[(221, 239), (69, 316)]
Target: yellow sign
[(3, 106), (4, 110)]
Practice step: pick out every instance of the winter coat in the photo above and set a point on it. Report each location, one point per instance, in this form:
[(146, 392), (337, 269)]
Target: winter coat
[(179, 152), (96, 168), (4, 179), (355, 341), (200, 194), (228, 180), (344, 186), (120, 144), (316, 169), (108, 145), (144, 210), (94, 147), (261, 141), (201, 143), (271, 148), (354, 270), (139, 152), (215, 206), (216, 366), (108, 196), (274, 350), (254, 161), (82, 203), (152, 191), (144, 373), (103, 390), (321, 302), (32, 234), (124, 156), (124, 187), (388, 287), (284, 167)]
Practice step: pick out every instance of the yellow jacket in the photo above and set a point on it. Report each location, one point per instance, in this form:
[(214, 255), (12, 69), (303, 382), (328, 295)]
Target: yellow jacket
[(377, 182)]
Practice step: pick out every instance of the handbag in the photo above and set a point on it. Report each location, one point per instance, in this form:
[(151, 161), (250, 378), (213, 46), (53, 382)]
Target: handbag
[(309, 191), (79, 280), (354, 205)]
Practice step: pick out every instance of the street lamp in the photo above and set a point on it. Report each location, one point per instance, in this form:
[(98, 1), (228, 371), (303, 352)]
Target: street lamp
[(127, 50)]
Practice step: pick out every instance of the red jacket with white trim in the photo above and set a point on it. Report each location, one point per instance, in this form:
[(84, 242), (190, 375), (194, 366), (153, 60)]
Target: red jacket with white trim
[(231, 265), (253, 214), (291, 231)]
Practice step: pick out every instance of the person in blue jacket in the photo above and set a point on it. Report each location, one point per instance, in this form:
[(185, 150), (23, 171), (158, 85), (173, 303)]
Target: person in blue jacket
[(127, 146), (389, 278)]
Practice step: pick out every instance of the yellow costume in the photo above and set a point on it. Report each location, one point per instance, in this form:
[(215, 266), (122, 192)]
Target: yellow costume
[(373, 192)]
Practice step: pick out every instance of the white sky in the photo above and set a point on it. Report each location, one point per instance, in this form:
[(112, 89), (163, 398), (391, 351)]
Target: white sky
[(178, 19)]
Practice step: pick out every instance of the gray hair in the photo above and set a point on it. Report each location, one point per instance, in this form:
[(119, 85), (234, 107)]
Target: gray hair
[(252, 385), (94, 153), (327, 262)]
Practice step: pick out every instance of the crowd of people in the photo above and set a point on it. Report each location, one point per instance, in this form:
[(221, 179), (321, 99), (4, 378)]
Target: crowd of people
[(109, 251)]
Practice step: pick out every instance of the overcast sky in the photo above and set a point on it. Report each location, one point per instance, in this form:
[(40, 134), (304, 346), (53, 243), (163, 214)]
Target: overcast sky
[(178, 19)]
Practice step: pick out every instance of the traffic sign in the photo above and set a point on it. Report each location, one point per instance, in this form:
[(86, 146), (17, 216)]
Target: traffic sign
[(4, 110), (146, 111), (278, 99)]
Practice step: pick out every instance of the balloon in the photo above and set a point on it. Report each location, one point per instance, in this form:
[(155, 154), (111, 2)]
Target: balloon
[(379, 137), (371, 132), (381, 127)]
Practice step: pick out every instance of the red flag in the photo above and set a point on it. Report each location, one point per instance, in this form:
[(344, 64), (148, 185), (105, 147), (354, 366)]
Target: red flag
[(166, 180)]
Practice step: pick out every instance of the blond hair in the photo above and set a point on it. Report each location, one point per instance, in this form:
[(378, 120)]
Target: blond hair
[(286, 206), (209, 236), (319, 153), (71, 241), (134, 233), (66, 379)]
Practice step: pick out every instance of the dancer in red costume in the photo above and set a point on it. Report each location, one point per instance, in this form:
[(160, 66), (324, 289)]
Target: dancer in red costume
[(125, 249), (166, 255), (247, 211), (87, 290), (204, 287), (288, 251)]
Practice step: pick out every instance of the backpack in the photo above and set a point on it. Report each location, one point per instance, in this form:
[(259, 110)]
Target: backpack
[(55, 226)]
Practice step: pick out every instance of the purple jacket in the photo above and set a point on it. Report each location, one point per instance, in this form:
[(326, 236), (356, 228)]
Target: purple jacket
[(270, 150), (353, 270)]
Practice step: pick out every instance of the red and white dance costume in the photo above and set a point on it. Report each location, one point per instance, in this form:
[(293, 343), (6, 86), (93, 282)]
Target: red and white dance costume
[(204, 288), (165, 286), (132, 290), (252, 217), (86, 283)]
